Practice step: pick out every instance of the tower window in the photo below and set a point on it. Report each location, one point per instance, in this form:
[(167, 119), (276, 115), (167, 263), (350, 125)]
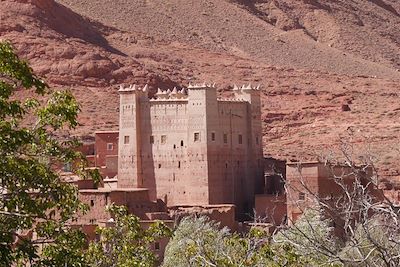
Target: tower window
[(67, 167), (110, 146), (126, 139), (91, 202), (156, 246), (240, 139), (179, 164), (225, 138), (196, 137), (151, 139), (181, 142), (212, 136), (302, 196), (163, 139), (159, 166)]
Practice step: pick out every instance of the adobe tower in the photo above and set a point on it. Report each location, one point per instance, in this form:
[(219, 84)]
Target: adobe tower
[(190, 148)]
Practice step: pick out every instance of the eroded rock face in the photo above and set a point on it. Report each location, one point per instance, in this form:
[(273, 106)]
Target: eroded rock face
[(227, 44)]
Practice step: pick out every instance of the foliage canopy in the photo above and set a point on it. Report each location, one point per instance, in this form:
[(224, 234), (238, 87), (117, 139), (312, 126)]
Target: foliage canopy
[(34, 201)]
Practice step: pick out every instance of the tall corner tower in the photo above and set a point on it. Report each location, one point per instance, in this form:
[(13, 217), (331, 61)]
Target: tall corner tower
[(202, 120), (255, 171), (129, 160)]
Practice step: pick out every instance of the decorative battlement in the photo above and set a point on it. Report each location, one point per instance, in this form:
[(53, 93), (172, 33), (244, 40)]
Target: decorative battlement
[(183, 93), (201, 86), (244, 88), (133, 89), (171, 94)]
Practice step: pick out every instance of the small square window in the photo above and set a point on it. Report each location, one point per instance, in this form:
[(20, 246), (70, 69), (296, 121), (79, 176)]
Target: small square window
[(212, 136), (302, 196), (126, 139), (240, 139), (225, 138), (151, 139), (110, 146), (196, 137), (67, 167), (163, 139)]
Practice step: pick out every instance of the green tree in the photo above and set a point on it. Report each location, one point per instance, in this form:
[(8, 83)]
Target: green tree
[(125, 243), (33, 198), (310, 236), (201, 242)]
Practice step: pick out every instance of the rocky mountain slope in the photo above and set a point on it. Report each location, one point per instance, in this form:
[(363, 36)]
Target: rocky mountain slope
[(346, 37), (326, 76)]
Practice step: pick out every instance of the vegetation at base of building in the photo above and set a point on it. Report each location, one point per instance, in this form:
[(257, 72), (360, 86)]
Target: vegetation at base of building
[(125, 242), (373, 242), (34, 200), (310, 232), (359, 225), (201, 242)]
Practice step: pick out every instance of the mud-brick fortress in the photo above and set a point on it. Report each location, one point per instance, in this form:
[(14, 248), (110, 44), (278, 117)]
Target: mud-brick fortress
[(191, 148), (182, 152)]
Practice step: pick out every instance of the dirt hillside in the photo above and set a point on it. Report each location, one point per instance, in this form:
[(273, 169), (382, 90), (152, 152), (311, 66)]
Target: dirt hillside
[(346, 37), (322, 81)]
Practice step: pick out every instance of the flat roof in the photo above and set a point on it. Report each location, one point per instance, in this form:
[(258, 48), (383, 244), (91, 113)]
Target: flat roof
[(203, 206), (106, 132), (303, 163), (109, 190)]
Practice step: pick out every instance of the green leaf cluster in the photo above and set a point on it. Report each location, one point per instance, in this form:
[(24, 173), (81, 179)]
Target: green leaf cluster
[(125, 243), (35, 203), (198, 241)]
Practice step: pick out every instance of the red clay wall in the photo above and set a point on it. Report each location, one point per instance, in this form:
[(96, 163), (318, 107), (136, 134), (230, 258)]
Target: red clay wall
[(106, 144), (271, 207)]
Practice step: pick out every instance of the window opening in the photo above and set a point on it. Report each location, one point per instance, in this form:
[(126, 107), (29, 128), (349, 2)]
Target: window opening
[(126, 139), (196, 137), (110, 146), (67, 167), (212, 136), (225, 138), (163, 139)]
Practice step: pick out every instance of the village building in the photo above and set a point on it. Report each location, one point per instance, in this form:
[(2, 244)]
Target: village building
[(190, 148), (184, 152)]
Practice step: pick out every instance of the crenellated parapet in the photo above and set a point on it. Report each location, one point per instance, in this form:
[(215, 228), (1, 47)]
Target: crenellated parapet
[(241, 94), (134, 88), (141, 92), (173, 94), (204, 85)]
